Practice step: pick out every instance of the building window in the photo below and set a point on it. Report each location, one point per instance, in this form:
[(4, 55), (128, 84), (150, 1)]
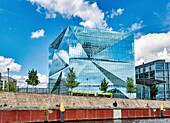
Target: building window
[(159, 73), (152, 67), (146, 68), (159, 66)]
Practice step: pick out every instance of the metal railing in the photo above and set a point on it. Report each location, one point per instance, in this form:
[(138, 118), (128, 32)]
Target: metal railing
[(34, 90)]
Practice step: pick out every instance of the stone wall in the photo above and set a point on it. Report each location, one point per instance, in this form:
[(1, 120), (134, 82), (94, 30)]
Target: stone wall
[(46, 101)]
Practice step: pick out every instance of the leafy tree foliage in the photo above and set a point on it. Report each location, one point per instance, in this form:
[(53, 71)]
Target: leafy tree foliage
[(0, 88), (10, 86), (32, 78), (153, 90), (71, 79), (104, 85), (130, 87), (169, 93)]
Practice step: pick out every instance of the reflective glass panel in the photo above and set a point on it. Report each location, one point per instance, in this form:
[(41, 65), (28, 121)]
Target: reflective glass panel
[(94, 54)]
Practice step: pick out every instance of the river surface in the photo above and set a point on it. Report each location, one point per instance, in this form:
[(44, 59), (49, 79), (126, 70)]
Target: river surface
[(155, 120)]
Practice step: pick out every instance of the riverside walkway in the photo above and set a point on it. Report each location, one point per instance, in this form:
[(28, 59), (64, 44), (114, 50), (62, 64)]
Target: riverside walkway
[(41, 101)]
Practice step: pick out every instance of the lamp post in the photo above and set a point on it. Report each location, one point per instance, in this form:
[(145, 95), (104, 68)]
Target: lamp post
[(0, 76), (87, 80), (86, 85), (143, 81), (8, 78)]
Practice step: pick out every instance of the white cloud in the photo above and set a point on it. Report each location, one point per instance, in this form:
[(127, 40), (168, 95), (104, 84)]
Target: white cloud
[(152, 47), (21, 84), (21, 80), (140, 61), (164, 54), (50, 15), (122, 29), (120, 11), (90, 14), (116, 13), (120, 24), (136, 26), (37, 34), (19, 77), (38, 9), (42, 78), (8, 63), (137, 35)]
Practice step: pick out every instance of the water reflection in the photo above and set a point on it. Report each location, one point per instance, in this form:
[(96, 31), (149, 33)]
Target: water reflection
[(165, 120)]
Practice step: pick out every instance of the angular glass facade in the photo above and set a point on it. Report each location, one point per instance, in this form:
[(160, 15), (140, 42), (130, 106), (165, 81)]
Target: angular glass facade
[(94, 54)]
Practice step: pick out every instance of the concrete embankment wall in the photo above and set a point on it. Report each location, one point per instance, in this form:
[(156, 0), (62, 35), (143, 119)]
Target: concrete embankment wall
[(25, 107)]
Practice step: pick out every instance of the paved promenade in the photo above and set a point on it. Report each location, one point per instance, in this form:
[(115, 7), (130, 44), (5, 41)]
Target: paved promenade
[(45, 101)]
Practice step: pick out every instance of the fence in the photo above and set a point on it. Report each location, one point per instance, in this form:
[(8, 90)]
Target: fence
[(34, 90)]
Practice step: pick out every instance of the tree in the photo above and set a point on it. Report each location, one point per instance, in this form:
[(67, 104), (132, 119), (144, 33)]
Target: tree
[(32, 78), (10, 86), (130, 87), (169, 93), (104, 85), (153, 90), (71, 79), (0, 88)]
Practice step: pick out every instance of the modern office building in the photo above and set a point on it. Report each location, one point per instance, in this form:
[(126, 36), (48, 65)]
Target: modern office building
[(94, 54), (143, 91), (156, 71)]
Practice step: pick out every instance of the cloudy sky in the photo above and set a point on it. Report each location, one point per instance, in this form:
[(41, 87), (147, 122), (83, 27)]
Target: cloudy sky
[(28, 27)]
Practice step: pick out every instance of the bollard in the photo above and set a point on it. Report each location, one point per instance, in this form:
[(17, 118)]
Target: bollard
[(46, 116), (161, 111), (62, 109)]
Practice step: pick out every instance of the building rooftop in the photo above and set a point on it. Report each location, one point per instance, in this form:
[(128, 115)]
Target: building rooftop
[(148, 63), (10, 78)]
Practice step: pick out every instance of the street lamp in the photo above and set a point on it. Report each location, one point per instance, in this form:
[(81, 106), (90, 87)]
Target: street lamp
[(0, 76), (143, 81), (8, 78), (87, 80)]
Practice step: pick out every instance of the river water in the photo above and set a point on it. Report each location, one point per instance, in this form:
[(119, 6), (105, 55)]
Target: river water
[(155, 120)]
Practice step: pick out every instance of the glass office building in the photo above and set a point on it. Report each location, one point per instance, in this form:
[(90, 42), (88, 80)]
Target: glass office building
[(156, 71), (142, 90), (94, 54)]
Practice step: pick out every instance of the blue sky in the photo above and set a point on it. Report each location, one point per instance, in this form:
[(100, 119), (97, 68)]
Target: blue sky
[(27, 28)]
